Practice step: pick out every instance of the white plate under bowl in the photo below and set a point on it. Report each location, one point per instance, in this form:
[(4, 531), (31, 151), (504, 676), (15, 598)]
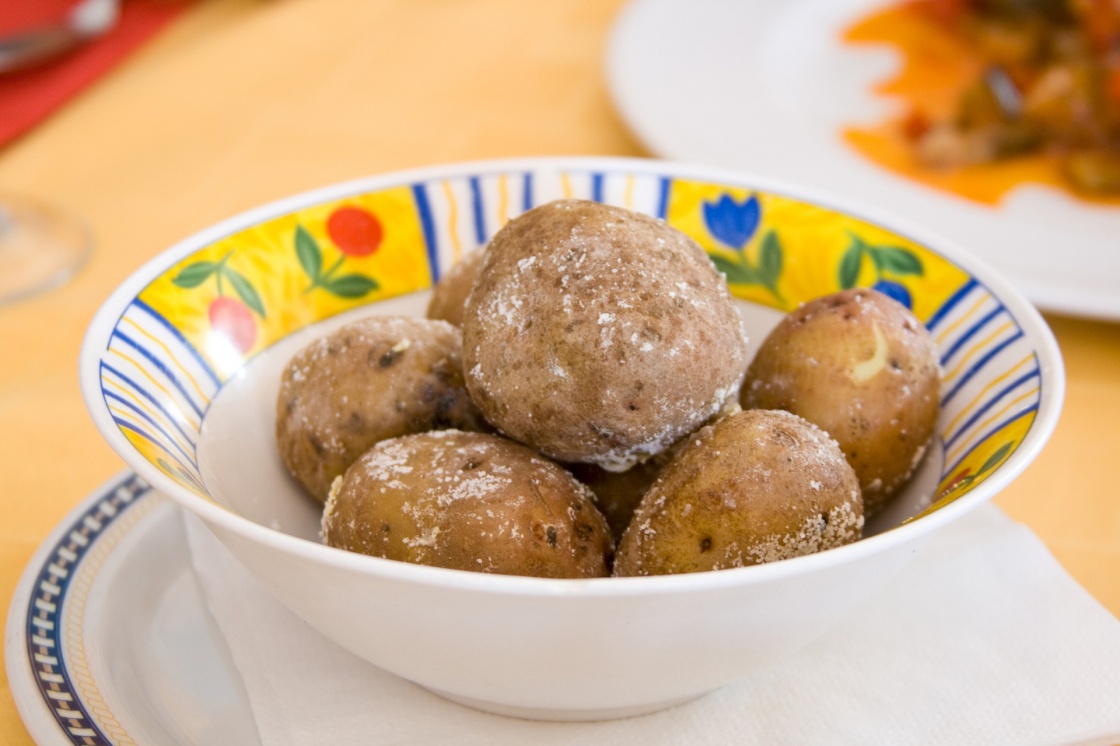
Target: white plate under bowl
[(108, 639), (768, 87)]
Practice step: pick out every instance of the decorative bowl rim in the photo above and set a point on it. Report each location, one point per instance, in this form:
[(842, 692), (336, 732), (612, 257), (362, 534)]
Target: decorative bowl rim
[(111, 310)]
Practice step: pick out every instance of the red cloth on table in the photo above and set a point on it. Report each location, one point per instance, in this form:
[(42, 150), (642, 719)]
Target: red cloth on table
[(30, 95)]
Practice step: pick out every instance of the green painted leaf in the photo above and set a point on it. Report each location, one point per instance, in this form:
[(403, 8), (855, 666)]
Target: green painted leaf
[(849, 264), (245, 290), (896, 260), (193, 275), (307, 250), (876, 258), (770, 259), (736, 273), (995, 458), (723, 264), (351, 286)]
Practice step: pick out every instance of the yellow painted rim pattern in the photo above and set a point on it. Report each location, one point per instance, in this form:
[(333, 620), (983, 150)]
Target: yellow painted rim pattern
[(202, 319)]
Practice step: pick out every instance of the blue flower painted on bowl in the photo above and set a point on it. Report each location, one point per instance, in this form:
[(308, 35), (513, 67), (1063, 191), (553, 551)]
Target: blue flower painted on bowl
[(733, 223), (894, 290)]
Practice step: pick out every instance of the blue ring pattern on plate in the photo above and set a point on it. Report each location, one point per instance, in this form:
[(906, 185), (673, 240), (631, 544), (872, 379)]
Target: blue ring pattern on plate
[(44, 613)]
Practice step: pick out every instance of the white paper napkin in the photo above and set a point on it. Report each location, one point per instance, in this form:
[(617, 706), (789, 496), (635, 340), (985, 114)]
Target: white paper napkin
[(983, 639)]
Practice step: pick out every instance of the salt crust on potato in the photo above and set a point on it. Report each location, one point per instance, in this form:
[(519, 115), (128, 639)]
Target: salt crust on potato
[(468, 501), (755, 487), (599, 335), (373, 379), (859, 365)]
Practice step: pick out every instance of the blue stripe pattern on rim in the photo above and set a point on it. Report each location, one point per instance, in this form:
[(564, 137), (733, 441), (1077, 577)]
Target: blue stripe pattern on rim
[(158, 365), (527, 192), (45, 637), (973, 370), (479, 212), (424, 210), (158, 383), (987, 406), (147, 418), (146, 395), (969, 334), (597, 187), (126, 425), (663, 198), (158, 317), (1004, 346), (994, 429), (950, 304)]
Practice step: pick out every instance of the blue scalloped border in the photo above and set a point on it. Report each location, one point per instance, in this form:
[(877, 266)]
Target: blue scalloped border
[(44, 635)]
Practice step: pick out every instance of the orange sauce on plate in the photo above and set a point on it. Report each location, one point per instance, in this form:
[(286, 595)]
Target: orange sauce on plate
[(936, 66)]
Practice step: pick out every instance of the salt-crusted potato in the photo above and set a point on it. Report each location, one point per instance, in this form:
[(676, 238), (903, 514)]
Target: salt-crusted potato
[(599, 335), (468, 501), (859, 365), (755, 487), (373, 379), (449, 297)]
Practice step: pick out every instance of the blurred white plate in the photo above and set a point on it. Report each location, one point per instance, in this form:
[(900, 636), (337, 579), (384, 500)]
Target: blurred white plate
[(109, 640), (766, 86)]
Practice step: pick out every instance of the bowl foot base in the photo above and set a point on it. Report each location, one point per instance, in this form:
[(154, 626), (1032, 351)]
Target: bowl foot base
[(545, 713)]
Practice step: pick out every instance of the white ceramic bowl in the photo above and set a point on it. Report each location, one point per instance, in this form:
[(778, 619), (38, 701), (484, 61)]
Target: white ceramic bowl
[(180, 371)]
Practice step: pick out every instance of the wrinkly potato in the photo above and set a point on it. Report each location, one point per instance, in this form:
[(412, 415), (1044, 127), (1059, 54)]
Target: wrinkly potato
[(373, 379), (599, 335), (449, 297), (859, 365), (755, 487), (468, 501)]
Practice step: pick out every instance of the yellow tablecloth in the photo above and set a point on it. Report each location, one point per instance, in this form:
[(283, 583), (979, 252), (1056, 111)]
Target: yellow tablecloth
[(241, 102)]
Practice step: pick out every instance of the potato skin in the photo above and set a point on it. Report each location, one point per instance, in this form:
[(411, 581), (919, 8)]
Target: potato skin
[(599, 335), (449, 297), (617, 494), (859, 365), (373, 379), (468, 501), (755, 487)]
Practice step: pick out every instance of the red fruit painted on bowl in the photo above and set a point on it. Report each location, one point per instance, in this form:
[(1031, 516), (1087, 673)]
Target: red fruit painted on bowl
[(232, 318), (356, 232)]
